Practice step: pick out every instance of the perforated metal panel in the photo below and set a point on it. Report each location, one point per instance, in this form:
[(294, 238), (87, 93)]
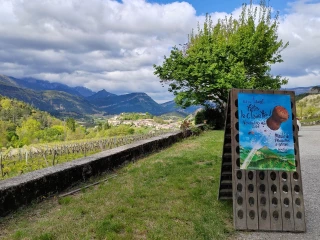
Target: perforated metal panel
[(262, 199)]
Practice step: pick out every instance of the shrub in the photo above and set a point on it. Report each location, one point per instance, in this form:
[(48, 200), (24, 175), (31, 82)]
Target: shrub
[(200, 117), (214, 118), (195, 131)]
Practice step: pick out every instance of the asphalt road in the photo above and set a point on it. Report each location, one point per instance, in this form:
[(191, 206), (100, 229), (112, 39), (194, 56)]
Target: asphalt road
[(309, 144)]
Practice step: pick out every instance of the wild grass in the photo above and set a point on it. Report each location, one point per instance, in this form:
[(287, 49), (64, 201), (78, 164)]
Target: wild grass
[(171, 194), (310, 120)]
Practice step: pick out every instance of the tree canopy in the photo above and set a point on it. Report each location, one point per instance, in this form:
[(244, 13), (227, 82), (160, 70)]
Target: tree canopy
[(233, 53)]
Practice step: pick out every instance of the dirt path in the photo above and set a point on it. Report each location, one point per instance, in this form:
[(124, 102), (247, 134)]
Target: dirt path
[(309, 143)]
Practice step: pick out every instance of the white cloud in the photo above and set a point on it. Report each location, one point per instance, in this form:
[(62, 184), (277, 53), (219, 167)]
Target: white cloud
[(98, 43), (302, 57)]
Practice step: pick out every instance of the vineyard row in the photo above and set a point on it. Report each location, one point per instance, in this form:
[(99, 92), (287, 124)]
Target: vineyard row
[(21, 160)]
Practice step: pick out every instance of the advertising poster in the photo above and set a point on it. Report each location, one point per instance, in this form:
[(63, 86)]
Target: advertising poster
[(265, 132)]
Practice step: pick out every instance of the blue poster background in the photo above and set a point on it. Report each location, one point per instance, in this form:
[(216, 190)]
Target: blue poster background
[(264, 146)]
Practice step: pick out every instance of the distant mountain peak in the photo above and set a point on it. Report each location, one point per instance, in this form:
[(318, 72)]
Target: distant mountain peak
[(315, 90), (137, 94), (102, 94), (7, 81), (142, 93), (84, 91)]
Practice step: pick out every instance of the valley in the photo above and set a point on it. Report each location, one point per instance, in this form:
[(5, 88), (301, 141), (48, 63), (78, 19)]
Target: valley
[(61, 100)]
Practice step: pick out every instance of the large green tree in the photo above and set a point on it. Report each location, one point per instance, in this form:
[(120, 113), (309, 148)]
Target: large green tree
[(233, 53)]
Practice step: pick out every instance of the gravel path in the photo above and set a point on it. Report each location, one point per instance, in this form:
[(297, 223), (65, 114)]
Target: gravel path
[(309, 143)]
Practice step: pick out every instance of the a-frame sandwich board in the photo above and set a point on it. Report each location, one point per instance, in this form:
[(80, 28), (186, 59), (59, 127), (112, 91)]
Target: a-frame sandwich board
[(268, 197)]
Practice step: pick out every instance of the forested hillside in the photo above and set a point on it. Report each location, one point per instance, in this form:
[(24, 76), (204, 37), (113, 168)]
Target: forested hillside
[(308, 107), (21, 124)]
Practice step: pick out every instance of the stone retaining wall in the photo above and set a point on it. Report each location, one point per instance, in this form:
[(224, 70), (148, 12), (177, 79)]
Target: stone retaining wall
[(34, 186)]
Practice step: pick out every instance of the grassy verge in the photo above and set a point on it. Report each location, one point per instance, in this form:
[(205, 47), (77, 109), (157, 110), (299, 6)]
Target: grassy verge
[(168, 195), (310, 120)]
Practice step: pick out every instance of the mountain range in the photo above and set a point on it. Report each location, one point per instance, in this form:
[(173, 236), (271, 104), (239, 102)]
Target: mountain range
[(302, 90), (62, 100)]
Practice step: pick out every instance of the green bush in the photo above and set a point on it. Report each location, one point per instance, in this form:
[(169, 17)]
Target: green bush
[(200, 117), (214, 118), (195, 131)]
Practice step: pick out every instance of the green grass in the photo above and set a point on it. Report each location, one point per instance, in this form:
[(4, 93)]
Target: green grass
[(14, 168), (171, 194), (309, 120)]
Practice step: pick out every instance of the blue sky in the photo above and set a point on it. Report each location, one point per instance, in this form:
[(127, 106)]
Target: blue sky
[(112, 45), (208, 6)]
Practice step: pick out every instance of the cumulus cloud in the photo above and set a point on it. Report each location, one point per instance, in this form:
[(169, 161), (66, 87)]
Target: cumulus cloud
[(99, 44), (300, 27), (106, 44)]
